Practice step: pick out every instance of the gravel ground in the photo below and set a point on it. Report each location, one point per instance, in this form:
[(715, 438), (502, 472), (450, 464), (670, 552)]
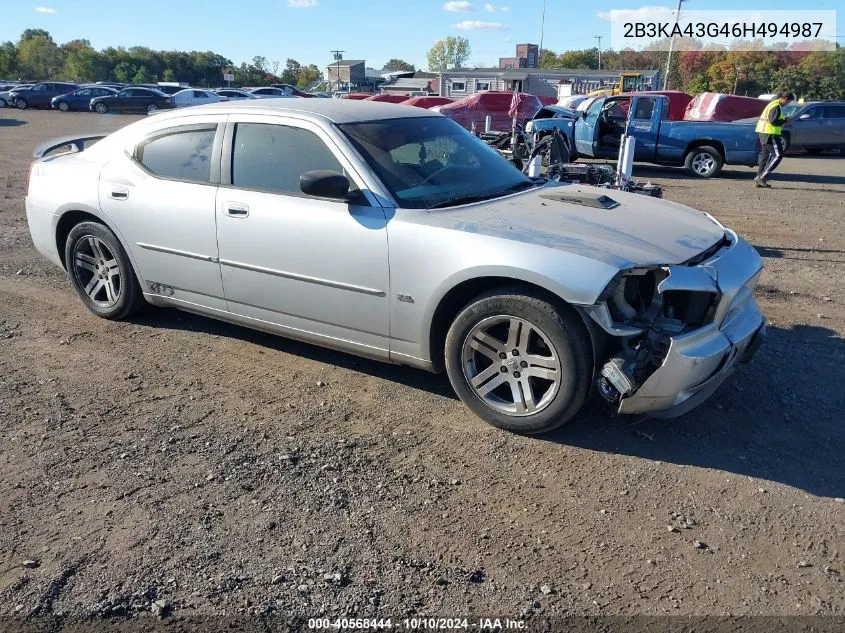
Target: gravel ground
[(175, 466)]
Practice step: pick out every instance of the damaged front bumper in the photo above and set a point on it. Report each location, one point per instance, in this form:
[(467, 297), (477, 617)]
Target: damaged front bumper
[(694, 361)]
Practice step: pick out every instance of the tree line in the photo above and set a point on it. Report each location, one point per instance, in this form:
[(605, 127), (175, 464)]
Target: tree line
[(810, 74), (35, 56)]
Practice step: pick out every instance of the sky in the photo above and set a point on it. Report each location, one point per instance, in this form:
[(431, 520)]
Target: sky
[(308, 30)]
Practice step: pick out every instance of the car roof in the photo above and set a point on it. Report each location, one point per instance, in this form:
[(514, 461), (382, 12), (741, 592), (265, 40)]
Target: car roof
[(333, 110)]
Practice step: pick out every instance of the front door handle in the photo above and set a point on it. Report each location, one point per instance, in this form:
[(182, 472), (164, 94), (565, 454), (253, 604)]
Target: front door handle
[(236, 210)]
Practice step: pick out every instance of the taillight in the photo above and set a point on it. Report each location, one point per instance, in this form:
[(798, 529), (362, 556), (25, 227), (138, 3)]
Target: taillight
[(168, 101), (29, 176)]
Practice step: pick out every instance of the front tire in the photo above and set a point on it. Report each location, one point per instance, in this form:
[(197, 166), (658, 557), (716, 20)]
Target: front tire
[(101, 272), (63, 106), (101, 108), (704, 161), (21, 104), (518, 361)]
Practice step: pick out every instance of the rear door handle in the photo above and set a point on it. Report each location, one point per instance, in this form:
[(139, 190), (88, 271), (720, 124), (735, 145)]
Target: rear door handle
[(236, 210), (119, 193)]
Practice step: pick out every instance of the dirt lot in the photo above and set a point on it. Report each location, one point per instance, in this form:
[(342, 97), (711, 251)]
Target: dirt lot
[(221, 471)]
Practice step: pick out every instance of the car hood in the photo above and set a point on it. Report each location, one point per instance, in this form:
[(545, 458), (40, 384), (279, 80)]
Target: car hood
[(639, 231)]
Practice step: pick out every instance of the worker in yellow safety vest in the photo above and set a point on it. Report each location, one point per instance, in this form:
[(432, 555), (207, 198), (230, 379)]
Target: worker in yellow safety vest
[(769, 127)]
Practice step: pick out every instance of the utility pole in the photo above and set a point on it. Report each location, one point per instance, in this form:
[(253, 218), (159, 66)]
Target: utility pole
[(338, 56), (598, 37), (542, 32), (671, 46)]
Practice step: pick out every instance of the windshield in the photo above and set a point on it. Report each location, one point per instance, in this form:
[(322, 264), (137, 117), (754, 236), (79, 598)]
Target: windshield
[(432, 161), (789, 110)]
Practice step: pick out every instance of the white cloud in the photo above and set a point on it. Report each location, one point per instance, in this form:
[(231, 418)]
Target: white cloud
[(458, 6), (494, 9), (44, 10), (643, 14), (509, 40), (302, 4), (480, 25)]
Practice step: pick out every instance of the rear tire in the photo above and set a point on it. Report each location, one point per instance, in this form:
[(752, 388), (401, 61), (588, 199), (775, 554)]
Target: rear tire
[(151, 108), (101, 273), (544, 377), (703, 161)]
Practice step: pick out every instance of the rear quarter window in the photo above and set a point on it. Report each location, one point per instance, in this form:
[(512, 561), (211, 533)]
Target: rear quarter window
[(179, 154)]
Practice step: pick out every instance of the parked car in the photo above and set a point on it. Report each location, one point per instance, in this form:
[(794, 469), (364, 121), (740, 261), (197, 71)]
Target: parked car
[(293, 91), (715, 106), (5, 95), (815, 126), (269, 93), (194, 97), (386, 97), (40, 95), (132, 100), (702, 147), (356, 96), (427, 101), (440, 252), (233, 94), (168, 88), (80, 99), (476, 108)]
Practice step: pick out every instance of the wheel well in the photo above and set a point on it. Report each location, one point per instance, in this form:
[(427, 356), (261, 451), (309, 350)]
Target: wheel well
[(66, 223), (701, 143), (459, 296)]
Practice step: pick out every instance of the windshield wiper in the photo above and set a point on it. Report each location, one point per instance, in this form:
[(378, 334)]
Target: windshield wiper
[(486, 195)]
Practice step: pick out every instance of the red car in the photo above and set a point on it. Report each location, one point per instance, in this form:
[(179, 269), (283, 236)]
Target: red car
[(476, 108), (387, 98), (714, 106), (427, 102), (356, 96)]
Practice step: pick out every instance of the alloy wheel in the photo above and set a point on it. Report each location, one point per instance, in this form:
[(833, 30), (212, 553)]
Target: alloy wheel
[(63, 106), (703, 164), (97, 271), (511, 365), (152, 107), (101, 108)]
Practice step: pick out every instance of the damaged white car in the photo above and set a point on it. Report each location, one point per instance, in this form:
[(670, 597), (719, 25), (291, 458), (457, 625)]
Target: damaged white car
[(391, 232)]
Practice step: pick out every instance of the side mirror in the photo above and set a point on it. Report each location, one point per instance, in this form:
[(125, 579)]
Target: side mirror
[(322, 183), (804, 116)]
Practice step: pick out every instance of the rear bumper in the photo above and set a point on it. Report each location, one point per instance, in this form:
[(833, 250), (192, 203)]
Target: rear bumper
[(698, 362), (42, 230)]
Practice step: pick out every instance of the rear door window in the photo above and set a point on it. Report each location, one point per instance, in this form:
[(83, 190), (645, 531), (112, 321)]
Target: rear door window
[(834, 112), (179, 153)]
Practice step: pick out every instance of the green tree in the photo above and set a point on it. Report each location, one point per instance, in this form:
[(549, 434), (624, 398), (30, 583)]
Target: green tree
[(124, 72), (291, 73), (143, 76), (168, 75), (28, 34), (81, 61), (308, 76), (8, 60), (398, 64), (39, 57), (448, 52)]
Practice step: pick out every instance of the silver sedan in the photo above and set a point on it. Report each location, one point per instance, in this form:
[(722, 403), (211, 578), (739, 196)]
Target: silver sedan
[(391, 232)]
